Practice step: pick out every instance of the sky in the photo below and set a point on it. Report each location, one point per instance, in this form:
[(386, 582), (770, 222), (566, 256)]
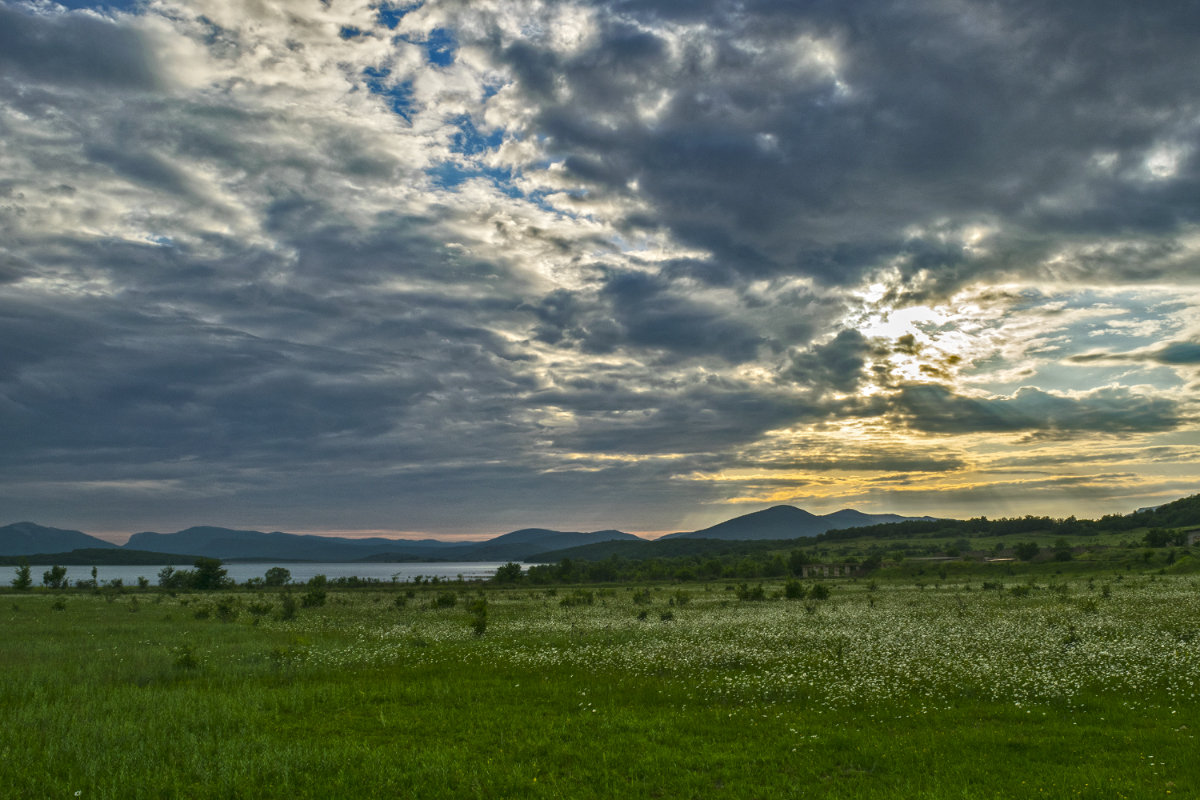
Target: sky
[(454, 268)]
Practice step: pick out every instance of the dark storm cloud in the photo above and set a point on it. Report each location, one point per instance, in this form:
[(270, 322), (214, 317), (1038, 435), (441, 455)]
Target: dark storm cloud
[(838, 364), (74, 48), (635, 309), (1173, 354), (703, 417), (934, 408), (782, 158)]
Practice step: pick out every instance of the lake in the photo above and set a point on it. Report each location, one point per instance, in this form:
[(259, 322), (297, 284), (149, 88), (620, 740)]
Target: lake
[(301, 571)]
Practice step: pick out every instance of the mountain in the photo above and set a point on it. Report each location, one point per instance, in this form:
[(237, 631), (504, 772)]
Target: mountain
[(27, 538), (788, 522), (227, 544), (518, 545)]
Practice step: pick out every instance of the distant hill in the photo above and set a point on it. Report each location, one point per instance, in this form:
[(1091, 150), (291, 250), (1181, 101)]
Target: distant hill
[(1176, 514), (663, 547), (521, 544), (97, 556), (788, 522), (230, 545), (28, 538)]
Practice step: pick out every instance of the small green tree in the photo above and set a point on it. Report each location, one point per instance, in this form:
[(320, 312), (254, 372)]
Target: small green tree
[(794, 590), (1062, 550), (287, 606), (277, 576), (797, 561), (55, 577), (477, 608), (754, 593), (1027, 551), (315, 595), (209, 575), (509, 573), (23, 581)]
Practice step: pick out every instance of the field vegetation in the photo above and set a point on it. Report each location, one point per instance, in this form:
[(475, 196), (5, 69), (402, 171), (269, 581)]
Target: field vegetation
[(1050, 681)]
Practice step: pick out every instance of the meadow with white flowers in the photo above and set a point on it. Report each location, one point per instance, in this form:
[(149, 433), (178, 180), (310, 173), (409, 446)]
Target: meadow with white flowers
[(1086, 687)]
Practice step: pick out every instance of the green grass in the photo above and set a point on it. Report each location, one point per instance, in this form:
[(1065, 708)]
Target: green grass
[(1068, 689)]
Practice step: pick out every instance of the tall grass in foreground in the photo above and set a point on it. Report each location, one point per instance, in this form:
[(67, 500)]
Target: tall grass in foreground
[(1082, 689)]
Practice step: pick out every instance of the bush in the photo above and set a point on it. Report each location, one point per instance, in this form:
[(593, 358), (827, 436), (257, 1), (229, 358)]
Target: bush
[(819, 592), (445, 600), (315, 596), (1027, 551), (287, 607), (794, 590), (23, 581), (55, 577), (478, 608), (185, 658), (277, 576), (756, 593), (509, 573), (209, 575), (579, 597)]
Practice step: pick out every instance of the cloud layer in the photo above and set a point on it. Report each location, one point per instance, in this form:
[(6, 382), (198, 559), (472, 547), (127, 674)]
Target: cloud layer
[(461, 267)]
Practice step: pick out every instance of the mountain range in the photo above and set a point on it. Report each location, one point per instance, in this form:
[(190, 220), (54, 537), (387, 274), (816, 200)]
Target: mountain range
[(779, 522), (788, 522)]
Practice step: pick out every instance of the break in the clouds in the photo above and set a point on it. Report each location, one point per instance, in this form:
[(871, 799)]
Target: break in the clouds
[(459, 267)]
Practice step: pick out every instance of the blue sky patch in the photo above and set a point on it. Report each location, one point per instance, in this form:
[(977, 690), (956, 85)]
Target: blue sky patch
[(440, 47), (390, 14), (399, 95), (450, 175), (469, 141)]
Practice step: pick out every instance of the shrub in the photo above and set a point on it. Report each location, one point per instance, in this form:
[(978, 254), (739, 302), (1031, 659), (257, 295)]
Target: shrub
[(755, 593), (277, 576), (227, 609), (315, 596), (508, 573), (819, 592), (445, 600), (1027, 551), (259, 608), (209, 575), (478, 609), (287, 607), (185, 657), (23, 581), (579, 597), (55, 577), (794, 590)]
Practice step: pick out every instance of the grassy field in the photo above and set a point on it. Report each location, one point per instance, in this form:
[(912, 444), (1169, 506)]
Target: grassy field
[(1072, 686)]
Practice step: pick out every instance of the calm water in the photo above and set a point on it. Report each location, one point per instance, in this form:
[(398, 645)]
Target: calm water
[(470, 570)]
